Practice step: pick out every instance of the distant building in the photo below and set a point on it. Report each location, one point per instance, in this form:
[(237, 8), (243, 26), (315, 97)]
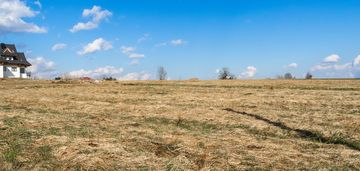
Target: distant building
[(85, 78), (13, 64)]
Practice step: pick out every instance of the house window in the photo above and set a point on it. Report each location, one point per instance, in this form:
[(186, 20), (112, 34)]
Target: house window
[(22, 70), (14, 69)]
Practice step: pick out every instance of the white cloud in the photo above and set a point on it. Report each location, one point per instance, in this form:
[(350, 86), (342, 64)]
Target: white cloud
[(136, 76), (136, 55), (99, 44), (38, 3), (321, 67), (135, 62), (58, 46), (217, 70), (161, 44), (130, 52), (356, 61), (175, 42), (338, 67), (42, 68), (143, 38), (249, 73), (83, 26), (40, 64), (12, 13), (127, 50), (331, 69), (108, 71), (332, 59), (99, 73), (345, 66), (97, 14), (292, 65)]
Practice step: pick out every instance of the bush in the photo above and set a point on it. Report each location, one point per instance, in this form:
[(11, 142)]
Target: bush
[(225, 74), (288, 76), (109, 79), (308, 76)]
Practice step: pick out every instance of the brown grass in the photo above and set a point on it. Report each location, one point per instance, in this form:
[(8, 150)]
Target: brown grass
[(180, 125)]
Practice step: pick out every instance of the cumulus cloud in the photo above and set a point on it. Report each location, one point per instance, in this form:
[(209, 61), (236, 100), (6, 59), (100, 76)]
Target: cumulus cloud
[(99, 44), (97, 16), (332, 59), (130, 52), (58, 46), (109, 71), (98, 73), (356, 61), (136, 76), (292, 65), (42, 68), (320, 67), (12, 13), (249, 73), (331, 63), (330, 67)]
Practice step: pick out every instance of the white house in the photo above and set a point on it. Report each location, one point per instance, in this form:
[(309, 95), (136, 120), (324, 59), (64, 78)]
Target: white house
[(13, 64)]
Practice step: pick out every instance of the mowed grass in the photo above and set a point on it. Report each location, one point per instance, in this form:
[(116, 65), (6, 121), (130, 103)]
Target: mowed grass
[(180, 125)]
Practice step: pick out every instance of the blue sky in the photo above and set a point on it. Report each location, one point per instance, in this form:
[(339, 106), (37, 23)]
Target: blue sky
[(129, 39)]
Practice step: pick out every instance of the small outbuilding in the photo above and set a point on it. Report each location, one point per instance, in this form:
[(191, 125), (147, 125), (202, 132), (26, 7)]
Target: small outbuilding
[(85, 78)]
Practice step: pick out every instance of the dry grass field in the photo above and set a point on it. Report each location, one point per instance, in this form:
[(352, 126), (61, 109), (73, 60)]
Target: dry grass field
[(180, 125)]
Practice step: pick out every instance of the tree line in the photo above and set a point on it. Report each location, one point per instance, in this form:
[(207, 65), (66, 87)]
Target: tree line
[(225, 74)]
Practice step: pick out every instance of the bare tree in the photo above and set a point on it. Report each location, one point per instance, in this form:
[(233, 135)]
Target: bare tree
[(162, 74), (225, 74)]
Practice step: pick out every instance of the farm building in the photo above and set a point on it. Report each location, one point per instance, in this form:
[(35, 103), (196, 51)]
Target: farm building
[(13, 64)]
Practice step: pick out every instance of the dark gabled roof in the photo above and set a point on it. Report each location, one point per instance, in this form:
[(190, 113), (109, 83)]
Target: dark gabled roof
[(9, 50)]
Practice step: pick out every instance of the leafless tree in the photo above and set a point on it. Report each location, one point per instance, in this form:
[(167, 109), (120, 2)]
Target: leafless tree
[(162, 74)]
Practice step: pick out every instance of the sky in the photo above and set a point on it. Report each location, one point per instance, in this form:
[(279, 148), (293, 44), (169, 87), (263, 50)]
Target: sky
[(130, 39)]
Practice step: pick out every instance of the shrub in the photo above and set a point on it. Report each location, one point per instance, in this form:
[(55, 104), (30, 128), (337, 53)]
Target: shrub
[(109, 79), (225, 74), (289, 76), (308, 76), (57, 78)]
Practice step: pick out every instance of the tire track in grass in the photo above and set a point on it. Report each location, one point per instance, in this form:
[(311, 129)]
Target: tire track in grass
[(302, 133)]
